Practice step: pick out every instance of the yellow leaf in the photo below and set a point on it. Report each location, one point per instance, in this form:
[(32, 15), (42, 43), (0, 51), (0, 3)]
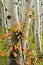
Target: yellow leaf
[(10, 44), (10, 37), (15, 54), (11, 48), (2, 54), (32, 17), (16, 33), (25, 48), (24, 52), (19, 48), (27, 13), (19, 31), (15, 46), (25, 29), (18, 37), (18, 44), (25, 37), (30, 12)]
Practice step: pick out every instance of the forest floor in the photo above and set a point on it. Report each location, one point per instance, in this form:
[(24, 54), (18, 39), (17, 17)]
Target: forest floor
[(4, 59)]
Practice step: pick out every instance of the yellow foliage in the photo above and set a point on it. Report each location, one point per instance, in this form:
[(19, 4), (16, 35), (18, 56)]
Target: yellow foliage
[(18, 44), (15, 54), (24, 36), (10, 37), (25, 49), (30, 12), (10, 44), (27, 24), (11, 48), (25, 29), (3, 54), (28, 62), (11, 29), (30, 38), (18, 37), (15, 27), (32, 17), (15, 46), (23, 39), (19, 48), (22, 26), (16, 33), (24, 52)]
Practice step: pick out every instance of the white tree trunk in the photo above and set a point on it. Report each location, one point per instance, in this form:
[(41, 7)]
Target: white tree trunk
[(11, 6), (37, 26), (1, 13)]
